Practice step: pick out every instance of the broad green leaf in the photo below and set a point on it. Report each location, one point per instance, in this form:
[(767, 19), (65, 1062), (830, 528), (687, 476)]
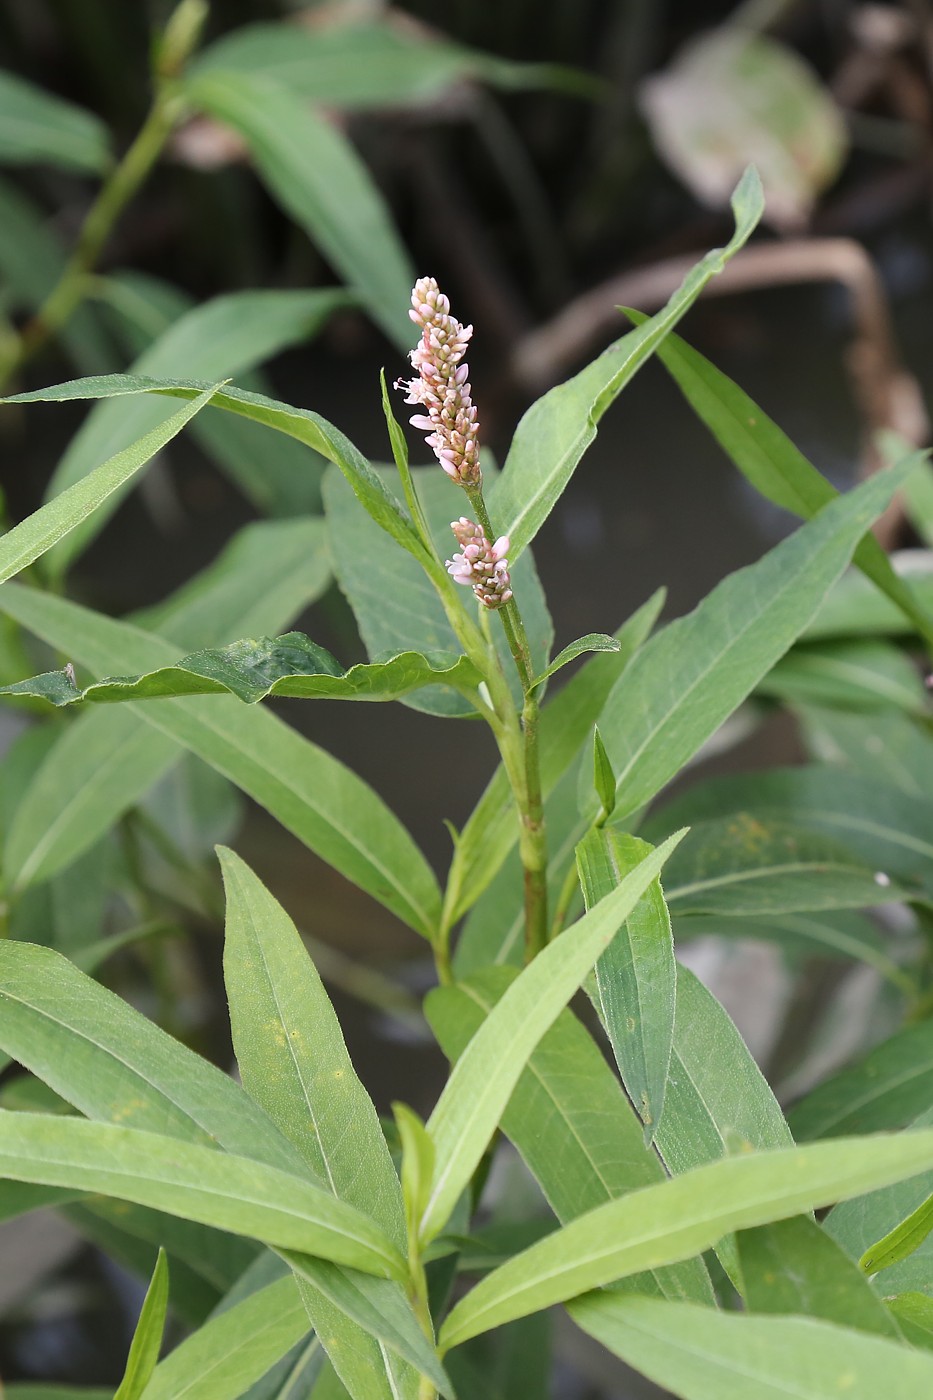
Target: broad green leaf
[(752, 864), (771, 462), (368, 64), (858, 675), (222, 337), (556, 431), (314, 173), (792, 1266), (636, 977), (36, 127), (593, 641), (856, 608), (566, 720), (228, 1192), (147, 1339), (886, 744), (293, 1060), (900, 1242), (30, 539), (105, 762), (323, 803), (691, 677), (703, 1355), (233, 1349), (882, 826), (291, 1052), (394, 602), (481, 1083), (288, 666), (299, 423), (680, 1218), (886, 1089), (568, 1117), (733, 95)]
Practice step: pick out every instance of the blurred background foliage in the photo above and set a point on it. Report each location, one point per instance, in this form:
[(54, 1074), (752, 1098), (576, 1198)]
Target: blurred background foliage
[(273, 176)]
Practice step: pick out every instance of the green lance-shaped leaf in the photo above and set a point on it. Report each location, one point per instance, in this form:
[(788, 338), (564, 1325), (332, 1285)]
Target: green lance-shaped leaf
[(900, 1242), (568, 1117), (793, 1266), (492, 831), (691, 677), (557, 430), (314, 796), (106, 761), (604, 780), (313, 172), (30, 539), (593, 641), (291, 665), (886, 745), (680, 1218), (299, 423), (865, 674), (887, 1088), (225, 336), (636, 977), (37, 127), (855, 607), (293, 1060), (198, 1183), (234, 1348), (700, 1354), (147, 1339), (482, 1081), (770, 461)]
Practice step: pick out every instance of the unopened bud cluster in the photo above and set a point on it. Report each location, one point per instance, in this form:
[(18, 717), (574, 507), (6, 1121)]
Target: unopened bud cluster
[(442, 387), (481, 565)]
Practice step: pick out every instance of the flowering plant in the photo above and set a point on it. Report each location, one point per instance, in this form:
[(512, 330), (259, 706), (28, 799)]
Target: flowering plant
[(667, 1204)]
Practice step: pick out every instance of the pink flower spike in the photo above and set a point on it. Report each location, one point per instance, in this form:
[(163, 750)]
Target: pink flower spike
[(480, 564)]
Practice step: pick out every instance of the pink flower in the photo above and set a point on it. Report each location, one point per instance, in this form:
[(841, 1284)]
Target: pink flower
[(442, 388), (481, 566)]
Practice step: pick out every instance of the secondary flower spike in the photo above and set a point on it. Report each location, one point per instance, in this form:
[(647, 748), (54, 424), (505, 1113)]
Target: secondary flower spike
[(442, 387), (481, 565)]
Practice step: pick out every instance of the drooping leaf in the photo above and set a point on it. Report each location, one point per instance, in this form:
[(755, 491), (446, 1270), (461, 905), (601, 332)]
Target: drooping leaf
[(636, 977), (314, 173), (36, 127), (311, 794), (481, 1083), (703, 1355), (679, 1218), (30, 539), (568, 1117), (291, 665), (593, 641), (556, 431), (691, 677), (147, 1338)]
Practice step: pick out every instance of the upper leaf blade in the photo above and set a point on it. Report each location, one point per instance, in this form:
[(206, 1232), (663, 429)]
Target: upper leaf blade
[(147, 1339)]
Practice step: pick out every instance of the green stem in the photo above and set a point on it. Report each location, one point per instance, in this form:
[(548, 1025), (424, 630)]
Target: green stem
[(116, 192)]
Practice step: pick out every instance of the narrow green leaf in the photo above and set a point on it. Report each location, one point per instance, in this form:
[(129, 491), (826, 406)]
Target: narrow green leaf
[(568, 1117), (900, 1242), (769, 460), (481, 1083), (234, 1348), (886, 1089), (147, 1339), (793, 1266), (886, 745), (36, 127), (699, 1354), (679, 1218), (105, 762), (30, 539), (491, 831), (314, 173), (323, 803), (856, 608), (865, 674), (556, 431), (691, 677), (636, 977), (593, 641), (417, 1163), (230, 1193), (291, 665), (604, 780)]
